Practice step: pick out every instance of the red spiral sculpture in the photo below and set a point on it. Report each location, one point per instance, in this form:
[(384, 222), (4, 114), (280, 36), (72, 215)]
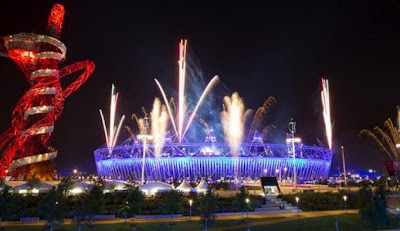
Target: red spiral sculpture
[(26, 151)]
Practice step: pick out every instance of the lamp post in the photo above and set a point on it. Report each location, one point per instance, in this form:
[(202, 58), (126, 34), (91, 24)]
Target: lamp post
[(247, 202), (345, 205), (52, 222), (190, 209), (344, 168), (297, 205)]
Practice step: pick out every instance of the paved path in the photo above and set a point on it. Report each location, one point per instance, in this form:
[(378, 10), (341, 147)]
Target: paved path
[(284, 217)]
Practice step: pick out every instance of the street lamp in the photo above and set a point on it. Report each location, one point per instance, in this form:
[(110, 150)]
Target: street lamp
[(345, 205), (247, 202), (297, 204), (75, 171), (190, 210), (125, 213), (265, 172)]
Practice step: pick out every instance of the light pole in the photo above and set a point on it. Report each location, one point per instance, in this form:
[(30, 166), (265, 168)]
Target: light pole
[(190, 209), (52, 222), (344, 168), (144, 139), (297, 205), (293, 141), (247, 202), (292, 129), (345, 205)]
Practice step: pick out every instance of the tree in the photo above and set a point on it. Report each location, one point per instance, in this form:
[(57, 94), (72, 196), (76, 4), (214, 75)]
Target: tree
[(172, 204), (207, 207), (94, 201), (372, 207), (50, 206), (379, 209), (364, 201), (80, 213), (65, 185), (134, 202), (5, 199), (240, 200)]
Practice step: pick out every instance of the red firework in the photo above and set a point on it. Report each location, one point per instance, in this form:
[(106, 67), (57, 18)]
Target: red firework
[(26, 151)]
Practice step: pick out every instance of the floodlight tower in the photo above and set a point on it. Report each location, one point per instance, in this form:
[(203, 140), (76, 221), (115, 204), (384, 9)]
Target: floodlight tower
[(293, 140), (144, 137), (27, 153)]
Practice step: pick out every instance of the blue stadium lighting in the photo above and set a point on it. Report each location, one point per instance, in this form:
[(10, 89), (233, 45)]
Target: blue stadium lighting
[(212, 160)]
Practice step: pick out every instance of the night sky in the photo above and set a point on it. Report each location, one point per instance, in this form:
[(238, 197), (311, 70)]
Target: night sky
[(258, 51)]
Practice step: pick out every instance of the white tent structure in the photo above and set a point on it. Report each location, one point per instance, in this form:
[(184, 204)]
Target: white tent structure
[(202, 187), (27, 187), (80, 187), (115, 186), (154, 187), (184, 187)]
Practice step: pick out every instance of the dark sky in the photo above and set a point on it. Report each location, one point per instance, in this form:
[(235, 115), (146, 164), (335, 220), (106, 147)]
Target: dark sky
[(258, 51)]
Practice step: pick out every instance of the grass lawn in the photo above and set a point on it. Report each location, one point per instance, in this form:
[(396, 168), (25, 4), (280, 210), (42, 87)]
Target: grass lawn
[(326, 223)]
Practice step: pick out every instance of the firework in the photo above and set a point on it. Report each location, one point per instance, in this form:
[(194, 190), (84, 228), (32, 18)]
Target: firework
[(180, 111), (210, 85), (326, 111), (205, 125), (159, 125), (167, 104), (181, 97), (398, 120), (386, 139), (112, 134), (233, 118), (260, 117), (139, 123)]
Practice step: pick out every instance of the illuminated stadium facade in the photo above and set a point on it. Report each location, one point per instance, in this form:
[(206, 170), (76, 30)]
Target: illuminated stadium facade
[(213, 161)]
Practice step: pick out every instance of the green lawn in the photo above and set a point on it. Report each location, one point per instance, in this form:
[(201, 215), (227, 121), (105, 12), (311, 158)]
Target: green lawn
[(326, 223)]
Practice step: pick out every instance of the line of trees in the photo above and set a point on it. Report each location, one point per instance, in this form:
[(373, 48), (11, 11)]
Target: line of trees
[(57, 204)]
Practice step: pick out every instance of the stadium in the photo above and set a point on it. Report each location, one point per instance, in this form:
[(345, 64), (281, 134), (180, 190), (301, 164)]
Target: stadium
[(213, 161), (162, 152)]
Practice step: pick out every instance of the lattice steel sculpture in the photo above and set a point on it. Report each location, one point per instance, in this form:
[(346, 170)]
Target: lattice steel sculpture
[(26, 151)]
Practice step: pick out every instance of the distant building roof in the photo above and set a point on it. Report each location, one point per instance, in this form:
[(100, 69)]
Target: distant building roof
[(184, 186)]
